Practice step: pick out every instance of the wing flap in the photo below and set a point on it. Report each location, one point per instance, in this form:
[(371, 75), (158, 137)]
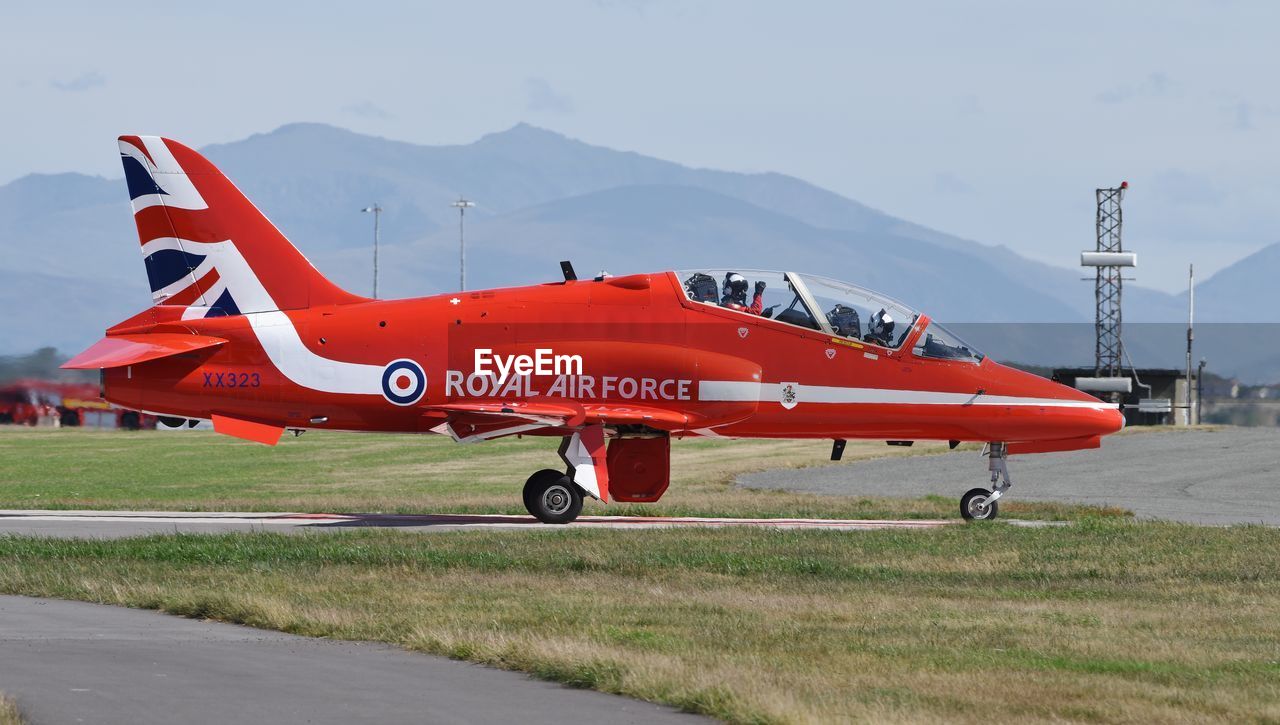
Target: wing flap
[(119, 350)]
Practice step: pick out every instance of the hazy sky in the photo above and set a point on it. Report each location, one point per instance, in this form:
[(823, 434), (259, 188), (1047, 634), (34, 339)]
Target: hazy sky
[(990, 120)]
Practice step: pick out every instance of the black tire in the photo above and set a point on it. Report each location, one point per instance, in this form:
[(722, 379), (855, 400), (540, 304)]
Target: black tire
[(130, 421), (552, 498), (532, 487), (70, 419), (974, 506)]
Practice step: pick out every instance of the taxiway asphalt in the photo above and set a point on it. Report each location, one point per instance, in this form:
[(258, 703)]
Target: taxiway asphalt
[(1221, 476), (67, 662)]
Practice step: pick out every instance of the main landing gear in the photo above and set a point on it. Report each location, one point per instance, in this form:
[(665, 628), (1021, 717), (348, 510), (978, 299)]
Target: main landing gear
[(979, 504), (552, 497)]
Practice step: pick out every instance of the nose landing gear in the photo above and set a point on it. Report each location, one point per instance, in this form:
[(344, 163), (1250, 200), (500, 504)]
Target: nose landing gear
[(979, 504)]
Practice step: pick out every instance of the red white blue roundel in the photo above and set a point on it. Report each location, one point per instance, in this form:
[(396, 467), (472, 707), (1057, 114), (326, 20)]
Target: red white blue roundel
[(403, 382)]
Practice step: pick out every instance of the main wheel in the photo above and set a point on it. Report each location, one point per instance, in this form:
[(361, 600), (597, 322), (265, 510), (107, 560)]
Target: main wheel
[(552, 498), (533, 486), (975, 505)]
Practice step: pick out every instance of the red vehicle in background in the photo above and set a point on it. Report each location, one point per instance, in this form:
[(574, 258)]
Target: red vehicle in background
[(44, 402), (27, 403)]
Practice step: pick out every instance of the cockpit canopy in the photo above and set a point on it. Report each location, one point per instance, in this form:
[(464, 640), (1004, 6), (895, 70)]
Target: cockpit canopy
[(805, 300), (940, 343)]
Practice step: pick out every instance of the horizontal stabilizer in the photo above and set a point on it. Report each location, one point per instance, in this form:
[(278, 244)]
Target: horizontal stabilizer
[(120, 350)]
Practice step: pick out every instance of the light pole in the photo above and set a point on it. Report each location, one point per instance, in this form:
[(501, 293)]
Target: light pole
[(376, 209), (461, 205), (1191, 335), (1200, 390)]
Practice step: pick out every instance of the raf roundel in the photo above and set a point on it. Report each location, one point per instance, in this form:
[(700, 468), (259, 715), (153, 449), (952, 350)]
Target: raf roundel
[(403, 382)]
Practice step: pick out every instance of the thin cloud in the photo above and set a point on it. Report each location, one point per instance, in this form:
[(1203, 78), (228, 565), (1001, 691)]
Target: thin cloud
[(83, 82), (1182, 188), (1153, 86), (540, 96), (366, 109), (636, 6), (968, 105), (1246, 116), (949, 183)]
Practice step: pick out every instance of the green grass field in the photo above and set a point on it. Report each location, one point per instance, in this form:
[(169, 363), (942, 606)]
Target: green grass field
[(1105, 620), (325, 471)]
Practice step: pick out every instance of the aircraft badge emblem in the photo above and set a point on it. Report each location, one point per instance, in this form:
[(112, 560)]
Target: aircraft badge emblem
[(831, 354), (790, 395), (742, 332)]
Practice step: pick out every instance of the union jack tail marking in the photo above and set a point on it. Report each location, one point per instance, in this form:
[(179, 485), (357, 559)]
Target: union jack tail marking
[(207, 248)]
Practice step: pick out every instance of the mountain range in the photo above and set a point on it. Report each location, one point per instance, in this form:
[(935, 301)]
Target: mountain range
[(69, 267)]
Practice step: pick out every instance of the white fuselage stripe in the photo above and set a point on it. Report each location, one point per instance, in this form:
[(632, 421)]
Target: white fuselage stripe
[(733, 390), (280, 339), (296, 362)]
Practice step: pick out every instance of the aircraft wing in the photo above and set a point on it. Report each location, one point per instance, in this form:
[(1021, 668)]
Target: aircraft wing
[(117, 351), (480, 421)]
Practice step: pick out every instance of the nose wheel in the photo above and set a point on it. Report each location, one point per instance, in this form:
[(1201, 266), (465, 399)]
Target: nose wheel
[(552, 498), (976, 505), (979, 504)]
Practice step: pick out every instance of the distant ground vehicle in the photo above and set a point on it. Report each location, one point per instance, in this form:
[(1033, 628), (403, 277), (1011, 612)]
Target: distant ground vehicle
[(82, 405), (33, 402), (26, 404)]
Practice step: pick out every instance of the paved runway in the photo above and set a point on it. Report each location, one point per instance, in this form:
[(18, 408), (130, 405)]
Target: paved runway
[(116, 524), (1224, 476), (67, 662)]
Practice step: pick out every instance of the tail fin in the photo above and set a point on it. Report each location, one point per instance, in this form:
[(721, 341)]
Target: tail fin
[(206, 246)]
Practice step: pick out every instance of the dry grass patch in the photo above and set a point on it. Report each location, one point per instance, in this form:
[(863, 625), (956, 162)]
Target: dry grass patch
[(1099, 621), (9, 714)]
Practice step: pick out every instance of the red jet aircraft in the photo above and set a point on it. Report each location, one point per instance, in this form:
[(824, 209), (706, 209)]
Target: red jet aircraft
[(247, 333)]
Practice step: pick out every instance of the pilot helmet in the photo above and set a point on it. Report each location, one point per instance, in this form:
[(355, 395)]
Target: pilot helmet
[(702, 288), (844, 320), (882, 324), (735, 287)]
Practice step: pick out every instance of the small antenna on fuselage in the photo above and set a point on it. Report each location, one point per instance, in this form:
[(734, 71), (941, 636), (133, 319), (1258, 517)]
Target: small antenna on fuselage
[(567, 267)]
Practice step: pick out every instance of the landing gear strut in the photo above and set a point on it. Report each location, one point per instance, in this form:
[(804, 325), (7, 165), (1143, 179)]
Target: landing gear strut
[(979, 504), (552, 497)]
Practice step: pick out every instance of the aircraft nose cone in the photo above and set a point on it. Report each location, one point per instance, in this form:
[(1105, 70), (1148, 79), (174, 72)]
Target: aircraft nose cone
[(1097, 421), (1115, 422), (1078, 415)]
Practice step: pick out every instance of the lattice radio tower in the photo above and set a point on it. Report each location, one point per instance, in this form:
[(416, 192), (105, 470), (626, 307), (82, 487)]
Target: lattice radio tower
[(1110, 283), (1108, 259)]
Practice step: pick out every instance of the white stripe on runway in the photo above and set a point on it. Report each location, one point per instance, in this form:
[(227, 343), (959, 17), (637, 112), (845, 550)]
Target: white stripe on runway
[(179, 519)]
